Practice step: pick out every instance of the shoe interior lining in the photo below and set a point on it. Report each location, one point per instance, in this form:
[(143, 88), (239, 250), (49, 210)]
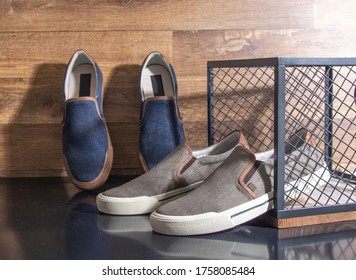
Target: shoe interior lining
[(156, 81), (263, 156), (219, 148), (82, 81), (227, 143), (294, 142)]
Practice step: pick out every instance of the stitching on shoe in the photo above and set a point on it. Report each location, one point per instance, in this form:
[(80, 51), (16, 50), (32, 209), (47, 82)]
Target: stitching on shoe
[(142, 162), (182, 167), (152, 99), (242, 140), (246, 171), (86, 98), (192, 160)]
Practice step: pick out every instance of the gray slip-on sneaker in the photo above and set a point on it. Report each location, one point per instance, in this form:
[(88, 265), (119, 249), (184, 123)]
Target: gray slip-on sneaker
[(240, 189), (305, 169), (176, 175)]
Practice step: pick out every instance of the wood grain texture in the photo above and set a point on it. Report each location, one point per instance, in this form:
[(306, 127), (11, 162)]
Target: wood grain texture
[(153, 15), (37, 39), (310, 220), (242, 44), (35, 150), (32, 54), (316, 229)]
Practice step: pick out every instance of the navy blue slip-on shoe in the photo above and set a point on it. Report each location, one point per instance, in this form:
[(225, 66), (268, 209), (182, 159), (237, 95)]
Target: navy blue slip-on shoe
[(86, 143), (161, 126)]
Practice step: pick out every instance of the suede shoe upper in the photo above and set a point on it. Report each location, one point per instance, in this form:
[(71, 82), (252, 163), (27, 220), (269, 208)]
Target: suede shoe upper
[(161, 130), (85, 140), (241, 188), (161, 126), (86, 144), (178, 173)]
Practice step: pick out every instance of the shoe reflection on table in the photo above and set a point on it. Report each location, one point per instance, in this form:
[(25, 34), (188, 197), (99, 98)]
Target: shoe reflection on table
[(93, 235), (137, 231), (337, 243), (83, 239), (243, 242)]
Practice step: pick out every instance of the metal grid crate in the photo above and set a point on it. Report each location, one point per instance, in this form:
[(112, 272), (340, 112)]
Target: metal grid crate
[(268, 100)]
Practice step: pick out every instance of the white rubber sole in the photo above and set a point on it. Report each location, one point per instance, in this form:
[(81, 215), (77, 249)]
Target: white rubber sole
[(140, 204), (212, 221)]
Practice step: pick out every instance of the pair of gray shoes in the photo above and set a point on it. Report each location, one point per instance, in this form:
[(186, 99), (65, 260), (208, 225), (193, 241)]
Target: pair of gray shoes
[(216, 188)]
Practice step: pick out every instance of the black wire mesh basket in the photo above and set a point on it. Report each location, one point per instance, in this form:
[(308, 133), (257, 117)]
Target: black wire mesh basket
[(271, 99)]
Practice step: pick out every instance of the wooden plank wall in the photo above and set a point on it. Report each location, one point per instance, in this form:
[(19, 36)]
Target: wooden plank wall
[(38, 37)]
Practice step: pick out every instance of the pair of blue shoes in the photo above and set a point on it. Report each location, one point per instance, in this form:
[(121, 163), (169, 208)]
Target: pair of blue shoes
[(86, 143)]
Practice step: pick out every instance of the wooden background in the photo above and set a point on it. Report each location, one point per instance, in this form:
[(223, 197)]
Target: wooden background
[(38, 37)]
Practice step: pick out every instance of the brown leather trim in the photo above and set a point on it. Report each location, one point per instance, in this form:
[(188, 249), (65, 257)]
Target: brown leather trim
[(76, 99), (192, 160), (154, 98), (310, 139), (252, 186), (142, 162), (101, 178), (243, 140), (144, 104), (303, 136), (188, 161), (105, 172), (252, 171), (246, 172)]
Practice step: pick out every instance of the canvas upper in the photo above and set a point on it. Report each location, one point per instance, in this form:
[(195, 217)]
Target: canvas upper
[(161, 125), (177, 174), (86, 144), (240, 189)]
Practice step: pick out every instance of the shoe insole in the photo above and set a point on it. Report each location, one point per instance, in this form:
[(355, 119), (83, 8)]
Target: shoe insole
[(82, 81), (156, 81)]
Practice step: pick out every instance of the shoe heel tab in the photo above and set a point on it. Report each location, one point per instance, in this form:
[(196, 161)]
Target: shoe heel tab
[(299, 138), (309, 138), (242, 140), (237, 137), (142, 163)]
